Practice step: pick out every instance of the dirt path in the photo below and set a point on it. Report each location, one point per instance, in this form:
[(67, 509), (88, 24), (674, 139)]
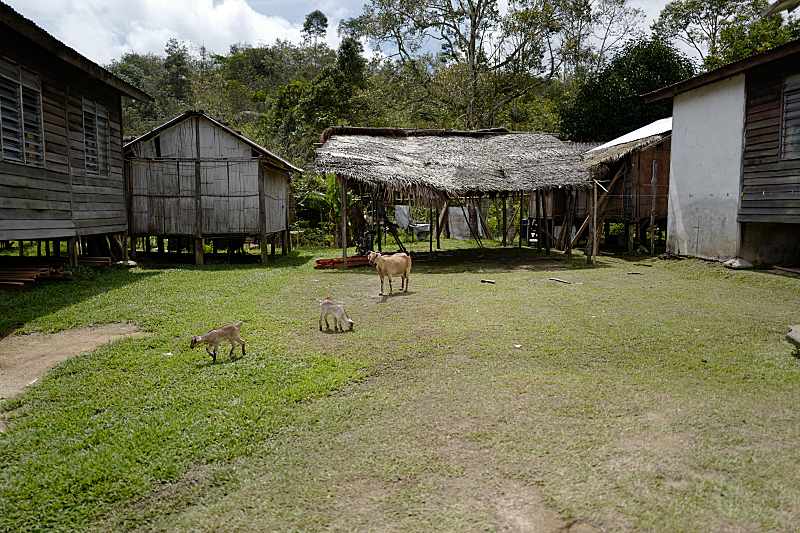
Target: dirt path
[(25, 358)]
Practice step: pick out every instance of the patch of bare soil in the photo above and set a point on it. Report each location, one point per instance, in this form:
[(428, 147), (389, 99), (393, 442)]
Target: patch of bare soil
[(25, 358)]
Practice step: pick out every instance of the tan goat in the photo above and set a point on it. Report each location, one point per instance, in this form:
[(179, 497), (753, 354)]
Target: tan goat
[(215, 337), (398, 264)]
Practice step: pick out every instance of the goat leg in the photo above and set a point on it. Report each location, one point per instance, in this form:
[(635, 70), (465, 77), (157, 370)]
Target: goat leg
[(406, 290), (243, 353), (212, 354), (381, 286), (390, 284), (230, 354)]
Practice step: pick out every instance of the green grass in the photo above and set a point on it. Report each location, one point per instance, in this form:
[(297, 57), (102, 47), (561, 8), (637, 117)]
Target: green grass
[(662, 401)]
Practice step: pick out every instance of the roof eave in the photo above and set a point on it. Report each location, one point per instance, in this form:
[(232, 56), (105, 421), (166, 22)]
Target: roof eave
[(28, 29)]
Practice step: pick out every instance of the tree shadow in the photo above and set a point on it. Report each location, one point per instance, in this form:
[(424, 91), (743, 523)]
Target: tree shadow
[(18, 307), (236, 262), (489, 260)]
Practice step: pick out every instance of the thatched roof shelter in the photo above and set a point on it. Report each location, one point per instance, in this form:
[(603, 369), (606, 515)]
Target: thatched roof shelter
[(445, 163)]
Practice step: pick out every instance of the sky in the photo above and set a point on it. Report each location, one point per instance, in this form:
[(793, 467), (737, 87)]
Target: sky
[(103, 30)]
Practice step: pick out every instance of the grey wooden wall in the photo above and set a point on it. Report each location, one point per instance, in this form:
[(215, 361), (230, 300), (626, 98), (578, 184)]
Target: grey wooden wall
[(162, 181), (59, 199)]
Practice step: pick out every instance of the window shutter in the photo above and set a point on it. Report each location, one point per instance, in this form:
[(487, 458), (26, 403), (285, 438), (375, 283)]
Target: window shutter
[(90, 136), (103, 140), (791, 118), (32, 119), (10, 113)]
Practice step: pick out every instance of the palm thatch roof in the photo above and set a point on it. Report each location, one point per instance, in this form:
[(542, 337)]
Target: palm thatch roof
[(618, 152), (621, 147), (428, 163)]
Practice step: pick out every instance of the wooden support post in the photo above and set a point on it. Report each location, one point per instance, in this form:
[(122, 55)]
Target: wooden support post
[(57, 248), (343, 207), (442, 222), (160, 244), (438, 231), (198, 198), (537, 204), (132, 244), (521, 231), (546, 221), (430, 228), (287, 236), (262, 214), (653, 188), (38, 248), (21, 245), (272, 239), (72, 251), (602, 203), (47, 248), (593, 253), (567, 229), (505, 220)]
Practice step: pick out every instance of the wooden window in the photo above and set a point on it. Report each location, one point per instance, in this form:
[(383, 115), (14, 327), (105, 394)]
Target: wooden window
[(21, 137), (790, 132), (96, 138)]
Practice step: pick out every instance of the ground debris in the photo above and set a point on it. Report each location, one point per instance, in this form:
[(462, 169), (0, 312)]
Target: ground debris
[(489, 281), (559, 280)]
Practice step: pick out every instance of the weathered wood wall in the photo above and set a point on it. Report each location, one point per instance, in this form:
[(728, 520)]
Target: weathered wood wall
[(59, 198), (162, 181), (771, 167)]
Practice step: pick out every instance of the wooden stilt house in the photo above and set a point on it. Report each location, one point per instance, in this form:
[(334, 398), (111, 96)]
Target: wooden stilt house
[(60, 141), (195, 178)]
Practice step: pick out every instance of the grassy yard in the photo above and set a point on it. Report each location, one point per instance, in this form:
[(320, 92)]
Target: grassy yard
[(661, 401)]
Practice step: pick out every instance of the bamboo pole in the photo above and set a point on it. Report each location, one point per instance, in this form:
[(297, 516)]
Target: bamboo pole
[(343, 207), (594, 223), (505, 221)]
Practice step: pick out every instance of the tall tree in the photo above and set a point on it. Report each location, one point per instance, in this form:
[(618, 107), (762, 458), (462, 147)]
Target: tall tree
[(177, 67), (749, 33), (697, 23), (594, 30), (609, 103), (476, 34)]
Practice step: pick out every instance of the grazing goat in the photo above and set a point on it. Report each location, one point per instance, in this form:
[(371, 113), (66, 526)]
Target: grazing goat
[(215, 337), (340, 316), (398, 264)]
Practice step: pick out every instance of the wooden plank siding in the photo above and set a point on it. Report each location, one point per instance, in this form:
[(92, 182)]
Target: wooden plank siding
[(162, 183), (771, 160), (60, 199)]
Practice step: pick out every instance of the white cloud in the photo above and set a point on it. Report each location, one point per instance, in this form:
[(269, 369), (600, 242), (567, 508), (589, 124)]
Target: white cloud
[(105, 29)]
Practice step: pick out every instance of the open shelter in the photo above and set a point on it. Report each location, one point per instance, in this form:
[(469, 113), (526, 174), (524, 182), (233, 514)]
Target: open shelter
[(443, 168)]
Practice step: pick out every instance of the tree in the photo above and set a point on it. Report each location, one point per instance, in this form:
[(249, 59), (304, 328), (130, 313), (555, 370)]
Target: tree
[(177, 70), (594, 30), (609, 104), (749, 33), (697, 23), (315, 26), (476, 34)]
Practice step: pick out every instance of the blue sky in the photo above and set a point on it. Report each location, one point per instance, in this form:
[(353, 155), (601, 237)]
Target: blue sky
[(104, 29)]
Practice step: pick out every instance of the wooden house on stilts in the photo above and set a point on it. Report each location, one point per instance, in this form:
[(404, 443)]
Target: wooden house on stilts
[(195, 178), (61, 173)]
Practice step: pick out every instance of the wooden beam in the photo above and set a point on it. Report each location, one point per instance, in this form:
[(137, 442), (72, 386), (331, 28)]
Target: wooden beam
[(505, 220), (602, 202), (442, 221), (262, 215), (72, 251), (594, 222), (343, 207), (430, 228), (198, 198), (521, 199), (546, 222)]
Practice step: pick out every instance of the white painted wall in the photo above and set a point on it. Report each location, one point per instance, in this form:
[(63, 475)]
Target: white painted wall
[(707, 138)]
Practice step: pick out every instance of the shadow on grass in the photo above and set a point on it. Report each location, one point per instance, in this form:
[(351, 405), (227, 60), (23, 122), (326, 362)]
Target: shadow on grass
[(489, 260), (19, 307), (221, 261)]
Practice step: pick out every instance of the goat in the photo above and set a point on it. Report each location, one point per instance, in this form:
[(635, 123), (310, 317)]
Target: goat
[(340, 316), (215, 337), (398, 264)]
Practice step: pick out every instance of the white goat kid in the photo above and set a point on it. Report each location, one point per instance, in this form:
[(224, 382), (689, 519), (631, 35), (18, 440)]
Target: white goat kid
[(340, 317), (398, 264), (215, 337)]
